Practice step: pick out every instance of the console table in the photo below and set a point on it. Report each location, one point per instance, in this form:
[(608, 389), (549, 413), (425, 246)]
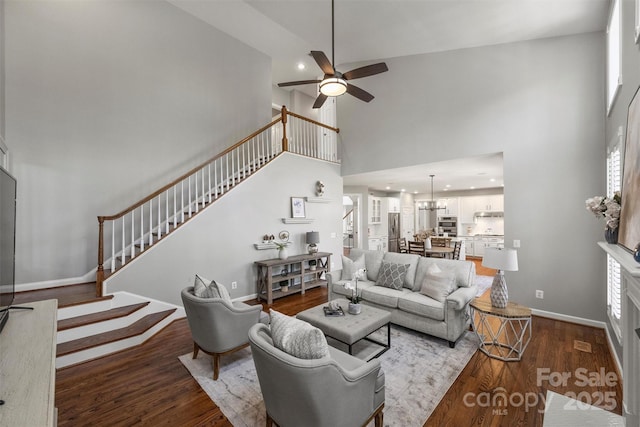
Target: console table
[(27, 366), (504, 333), (279, 278)]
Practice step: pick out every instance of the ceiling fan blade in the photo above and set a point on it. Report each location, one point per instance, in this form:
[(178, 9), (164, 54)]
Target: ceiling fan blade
[(300, 82), (361, 94), (366, 71), (323, 62), (320, 100)]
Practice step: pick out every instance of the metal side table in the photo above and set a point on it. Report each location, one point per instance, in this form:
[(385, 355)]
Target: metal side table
[(504, 333)]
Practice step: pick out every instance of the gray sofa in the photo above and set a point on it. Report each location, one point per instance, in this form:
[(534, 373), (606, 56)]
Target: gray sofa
[(445, 316)]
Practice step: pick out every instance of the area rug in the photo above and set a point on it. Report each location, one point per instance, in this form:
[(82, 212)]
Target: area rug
[(419, 370), (483, 283)]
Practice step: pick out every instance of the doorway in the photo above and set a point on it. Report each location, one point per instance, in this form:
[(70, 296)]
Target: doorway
[(351, 222)]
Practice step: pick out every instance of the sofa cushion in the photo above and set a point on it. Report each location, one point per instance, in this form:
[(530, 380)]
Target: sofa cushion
[(351, 266), (380, 295), (204, 288), (422, 305), (297, 338), (464, 271), (438, 285), (410, 259), (372, 260), (392, 275)]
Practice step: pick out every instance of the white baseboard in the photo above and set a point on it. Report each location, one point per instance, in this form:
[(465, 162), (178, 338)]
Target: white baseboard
[(586, 322), (33, 286)]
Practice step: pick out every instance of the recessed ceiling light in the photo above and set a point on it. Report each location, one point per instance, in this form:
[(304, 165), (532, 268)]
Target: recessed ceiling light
[(415, 192), (492, 180), (472, 188), (387, 187), (403, 190), (301, 66), (446, 189), (448, 186)]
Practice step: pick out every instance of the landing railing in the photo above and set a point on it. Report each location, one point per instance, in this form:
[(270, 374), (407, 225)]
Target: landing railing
[(127, 234)]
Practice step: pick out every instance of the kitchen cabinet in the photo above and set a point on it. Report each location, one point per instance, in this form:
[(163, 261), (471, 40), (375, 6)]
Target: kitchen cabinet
[(394, 204), (450, 205), (375, 243), (481, 243), (472, 204), (375, 207)]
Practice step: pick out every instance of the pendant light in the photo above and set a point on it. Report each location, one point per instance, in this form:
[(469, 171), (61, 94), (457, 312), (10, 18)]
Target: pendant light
[(431, 205)]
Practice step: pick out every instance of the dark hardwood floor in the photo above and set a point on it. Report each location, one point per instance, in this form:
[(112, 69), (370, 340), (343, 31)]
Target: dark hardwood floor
[(148, 385)]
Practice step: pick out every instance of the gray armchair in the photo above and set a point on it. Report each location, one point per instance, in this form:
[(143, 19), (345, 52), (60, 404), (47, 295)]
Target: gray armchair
[(340, 390), (218, 327)]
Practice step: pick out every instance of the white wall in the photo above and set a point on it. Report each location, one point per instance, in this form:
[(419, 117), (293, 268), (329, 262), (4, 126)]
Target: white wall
[(541, 103), (106, 101), (218, 242)]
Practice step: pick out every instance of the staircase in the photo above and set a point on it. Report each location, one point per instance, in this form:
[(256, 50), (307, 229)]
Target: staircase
[(92, 325), (129, 233)]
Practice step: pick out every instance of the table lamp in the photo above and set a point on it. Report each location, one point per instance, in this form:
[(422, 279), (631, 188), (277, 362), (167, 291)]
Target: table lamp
[(313, 238), (502, 260)]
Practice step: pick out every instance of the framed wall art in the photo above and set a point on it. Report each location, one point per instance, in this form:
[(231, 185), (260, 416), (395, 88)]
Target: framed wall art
[(297, 207), (629, 233)]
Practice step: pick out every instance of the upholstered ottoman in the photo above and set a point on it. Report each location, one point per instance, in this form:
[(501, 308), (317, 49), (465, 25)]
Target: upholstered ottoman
[(350, 328)]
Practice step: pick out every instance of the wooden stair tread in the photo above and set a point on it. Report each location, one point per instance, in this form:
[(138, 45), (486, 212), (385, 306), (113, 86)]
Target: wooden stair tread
[(67, 295), (136, 328), (100, 316)]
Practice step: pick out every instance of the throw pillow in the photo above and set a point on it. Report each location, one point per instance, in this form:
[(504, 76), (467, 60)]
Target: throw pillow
[(438, 286), (297, 338), (204, 288), (392, 275), (350, 266)]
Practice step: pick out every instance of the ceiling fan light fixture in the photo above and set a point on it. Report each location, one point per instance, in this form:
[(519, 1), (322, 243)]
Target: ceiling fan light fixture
[(333, 86)]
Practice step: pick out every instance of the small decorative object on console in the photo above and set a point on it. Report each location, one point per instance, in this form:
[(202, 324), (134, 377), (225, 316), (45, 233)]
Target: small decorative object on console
[(313, 238), (333, 309), (636, 253)]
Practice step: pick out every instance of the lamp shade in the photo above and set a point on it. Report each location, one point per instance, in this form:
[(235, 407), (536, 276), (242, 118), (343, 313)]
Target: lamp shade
[(313, 237), (501, 259)]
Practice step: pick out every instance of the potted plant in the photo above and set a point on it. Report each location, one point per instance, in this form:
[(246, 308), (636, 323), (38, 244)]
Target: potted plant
[(313, 265), (609, 209), (282, 249), (354, 300)]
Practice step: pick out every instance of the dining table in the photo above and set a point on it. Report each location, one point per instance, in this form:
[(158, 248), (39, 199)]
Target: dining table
[(438, 250)]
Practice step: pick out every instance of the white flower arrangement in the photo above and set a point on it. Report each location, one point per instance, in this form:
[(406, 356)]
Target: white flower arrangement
[(355, 296), (607, 208)]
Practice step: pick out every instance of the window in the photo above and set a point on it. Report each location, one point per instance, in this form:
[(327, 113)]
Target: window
[(614, 77), (614, 280)]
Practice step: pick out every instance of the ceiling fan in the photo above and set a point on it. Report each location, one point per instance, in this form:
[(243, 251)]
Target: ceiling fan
[(334, 82)]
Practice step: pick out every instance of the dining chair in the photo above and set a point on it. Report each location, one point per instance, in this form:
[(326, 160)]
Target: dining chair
[(440, 242), (456, 249), (416, 248), (402, 245)]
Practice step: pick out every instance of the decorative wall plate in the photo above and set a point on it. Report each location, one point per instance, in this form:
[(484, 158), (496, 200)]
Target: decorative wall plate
[(284, 235)]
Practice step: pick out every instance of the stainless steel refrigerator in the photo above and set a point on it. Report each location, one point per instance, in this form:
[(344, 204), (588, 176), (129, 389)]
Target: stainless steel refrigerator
[(394, 232)]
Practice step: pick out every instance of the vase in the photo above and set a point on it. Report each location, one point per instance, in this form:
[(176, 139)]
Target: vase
[(355, 308), (282, 253), (636, 253), (611, 235)]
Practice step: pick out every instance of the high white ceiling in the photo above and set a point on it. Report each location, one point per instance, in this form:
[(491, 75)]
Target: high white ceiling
[(373, 30)]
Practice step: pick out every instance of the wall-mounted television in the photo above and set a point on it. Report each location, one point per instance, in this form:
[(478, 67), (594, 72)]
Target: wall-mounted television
[(8, 192)]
